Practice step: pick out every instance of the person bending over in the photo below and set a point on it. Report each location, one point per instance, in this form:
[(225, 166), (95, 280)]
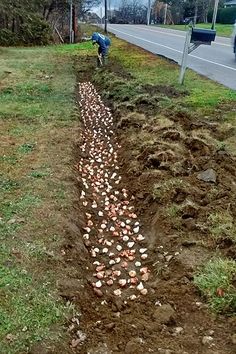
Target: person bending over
[(103, 43)]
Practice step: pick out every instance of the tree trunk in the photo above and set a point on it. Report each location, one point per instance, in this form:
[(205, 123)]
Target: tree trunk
[(13, 25), (6, 22), (50, 9)]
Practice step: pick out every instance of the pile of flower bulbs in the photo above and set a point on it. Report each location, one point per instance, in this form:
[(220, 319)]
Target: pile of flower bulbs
[(112, 232)]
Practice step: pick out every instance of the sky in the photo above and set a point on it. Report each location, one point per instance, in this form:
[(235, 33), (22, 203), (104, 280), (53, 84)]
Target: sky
[(114, 4)]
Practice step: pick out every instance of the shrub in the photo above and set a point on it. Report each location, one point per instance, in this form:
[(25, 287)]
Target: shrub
[(8, 38), (224, 16), (33, 31)]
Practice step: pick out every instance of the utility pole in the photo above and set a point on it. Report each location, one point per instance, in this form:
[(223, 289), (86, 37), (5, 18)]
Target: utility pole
[(109, 8), (214, 14), (165, 14), (71, 22), (195, 13), (148, 12), (75, 22), (105, 27), (101, 14)]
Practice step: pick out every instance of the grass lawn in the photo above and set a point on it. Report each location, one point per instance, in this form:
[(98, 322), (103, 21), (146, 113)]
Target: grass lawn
[(221, 30), (37, 124)]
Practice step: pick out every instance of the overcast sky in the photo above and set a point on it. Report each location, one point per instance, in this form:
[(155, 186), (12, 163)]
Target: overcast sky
[(114, 4)]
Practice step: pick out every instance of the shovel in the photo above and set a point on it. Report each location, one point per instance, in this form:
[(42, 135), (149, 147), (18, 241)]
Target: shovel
[(100, 59)]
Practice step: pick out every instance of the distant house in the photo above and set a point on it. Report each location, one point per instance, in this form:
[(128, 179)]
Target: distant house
[(230, 3)]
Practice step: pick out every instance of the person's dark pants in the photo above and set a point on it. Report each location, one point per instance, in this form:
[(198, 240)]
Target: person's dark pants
[(103, 55)]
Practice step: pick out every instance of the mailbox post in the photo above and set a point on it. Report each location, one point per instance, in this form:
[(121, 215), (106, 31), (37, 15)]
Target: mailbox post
[(185, 56), (194, 38)]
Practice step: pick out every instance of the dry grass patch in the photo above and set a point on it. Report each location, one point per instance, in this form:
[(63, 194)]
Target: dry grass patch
[(221, 225)]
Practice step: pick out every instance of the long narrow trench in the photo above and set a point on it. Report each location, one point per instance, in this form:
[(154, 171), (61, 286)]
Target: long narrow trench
[(144, 299), (113, 234)]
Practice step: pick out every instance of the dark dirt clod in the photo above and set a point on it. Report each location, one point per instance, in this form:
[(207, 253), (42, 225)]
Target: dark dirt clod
[(164, 314)]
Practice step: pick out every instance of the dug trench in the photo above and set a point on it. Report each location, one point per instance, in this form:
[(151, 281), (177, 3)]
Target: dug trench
[(148, 178)]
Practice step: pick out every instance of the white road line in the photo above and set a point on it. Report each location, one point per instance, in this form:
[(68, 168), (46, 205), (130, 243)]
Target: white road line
[(175, 50), (146, 40), (218, 43), (213, 62), (177, 35), (162, 32)]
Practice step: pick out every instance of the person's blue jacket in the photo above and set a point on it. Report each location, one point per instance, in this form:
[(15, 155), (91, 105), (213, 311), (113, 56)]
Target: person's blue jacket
[(103, 42)]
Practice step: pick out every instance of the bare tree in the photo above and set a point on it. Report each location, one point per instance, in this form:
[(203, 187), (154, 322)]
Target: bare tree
[(131, 11)]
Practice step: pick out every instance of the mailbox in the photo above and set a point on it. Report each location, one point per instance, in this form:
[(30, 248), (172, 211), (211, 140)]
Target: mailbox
[(202, 35)]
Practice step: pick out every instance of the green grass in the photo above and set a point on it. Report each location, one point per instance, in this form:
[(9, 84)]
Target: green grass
[(37, 123), (12, 160), (161, 189), (13, 211), (173, 211), (27, 308), (8, 184), (26, 148), (221, 30), (38, 174), (19, 207), (221, 225), (215, 281), (74, 49), (35, 90)]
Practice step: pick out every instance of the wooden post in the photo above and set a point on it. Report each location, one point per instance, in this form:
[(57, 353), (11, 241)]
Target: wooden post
[(75, 22)]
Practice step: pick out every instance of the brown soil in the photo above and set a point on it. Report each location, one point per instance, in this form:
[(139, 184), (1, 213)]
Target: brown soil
[(156, 149)]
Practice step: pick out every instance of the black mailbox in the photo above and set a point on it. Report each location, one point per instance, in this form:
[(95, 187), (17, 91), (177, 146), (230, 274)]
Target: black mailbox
[(202, 35)]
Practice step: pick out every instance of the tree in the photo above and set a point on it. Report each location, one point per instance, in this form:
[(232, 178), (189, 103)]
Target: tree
[(178, 10), (84, 7), (130, 11), (158, 12), (33, 21)]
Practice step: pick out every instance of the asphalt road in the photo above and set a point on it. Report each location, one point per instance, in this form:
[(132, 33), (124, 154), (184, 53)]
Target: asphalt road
[(217, 61)]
